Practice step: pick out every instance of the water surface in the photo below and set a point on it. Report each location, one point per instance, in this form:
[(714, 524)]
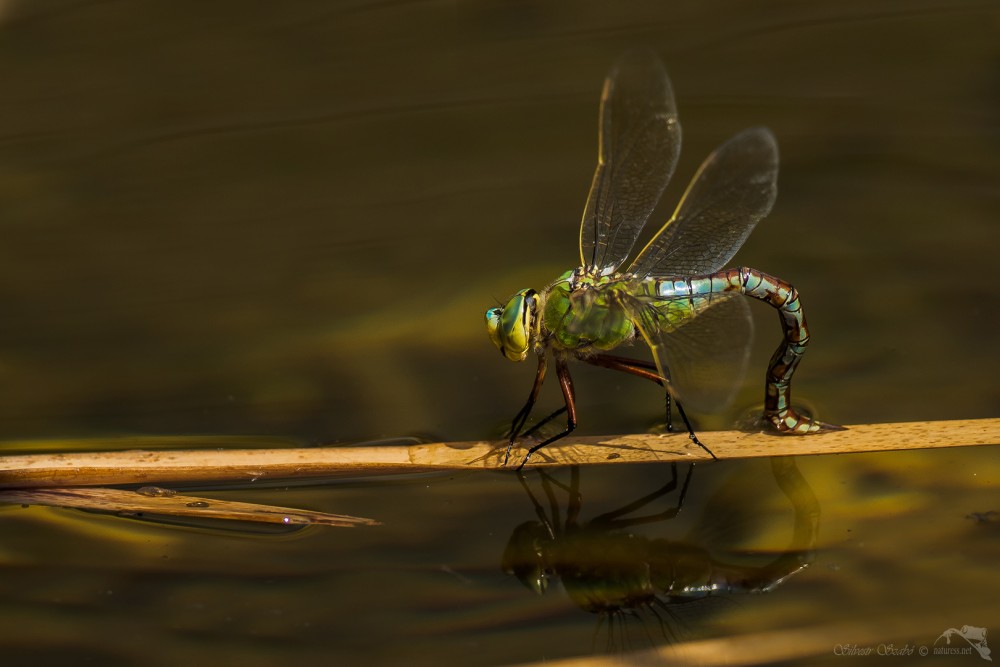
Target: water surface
[(257, 219)]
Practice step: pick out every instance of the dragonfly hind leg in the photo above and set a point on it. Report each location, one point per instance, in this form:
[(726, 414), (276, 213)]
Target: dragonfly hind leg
[(648, 371), (615, 520)]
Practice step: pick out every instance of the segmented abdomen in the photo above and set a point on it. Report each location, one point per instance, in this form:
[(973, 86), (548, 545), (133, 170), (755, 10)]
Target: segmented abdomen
[(689, 295)]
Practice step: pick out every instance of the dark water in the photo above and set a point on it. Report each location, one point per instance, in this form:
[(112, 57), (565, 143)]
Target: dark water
[(286, 220)]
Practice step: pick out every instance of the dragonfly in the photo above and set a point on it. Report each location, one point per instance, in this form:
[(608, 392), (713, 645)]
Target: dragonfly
[(675, 295)]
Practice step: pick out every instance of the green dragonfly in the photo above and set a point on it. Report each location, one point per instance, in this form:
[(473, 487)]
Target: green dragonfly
[(674, 295)]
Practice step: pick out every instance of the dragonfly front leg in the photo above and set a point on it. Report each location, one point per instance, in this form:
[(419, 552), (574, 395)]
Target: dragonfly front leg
[(521, 417), (569, 395)]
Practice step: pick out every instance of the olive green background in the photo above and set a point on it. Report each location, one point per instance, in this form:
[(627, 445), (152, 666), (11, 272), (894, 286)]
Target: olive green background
[(286, 219)]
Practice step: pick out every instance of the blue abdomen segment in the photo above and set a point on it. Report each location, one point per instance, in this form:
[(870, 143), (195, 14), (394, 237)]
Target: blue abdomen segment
[(690, 295)]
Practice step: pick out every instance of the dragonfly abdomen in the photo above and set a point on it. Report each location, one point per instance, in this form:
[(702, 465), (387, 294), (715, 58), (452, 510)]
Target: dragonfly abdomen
[(784, 297), (676, 300)]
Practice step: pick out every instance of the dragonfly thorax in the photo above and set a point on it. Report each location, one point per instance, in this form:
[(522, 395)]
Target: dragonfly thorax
[(584, 314), (513, 328)]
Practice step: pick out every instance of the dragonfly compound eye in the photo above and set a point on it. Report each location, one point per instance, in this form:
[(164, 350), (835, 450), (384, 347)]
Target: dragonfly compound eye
[(493, 316), (511, 327)]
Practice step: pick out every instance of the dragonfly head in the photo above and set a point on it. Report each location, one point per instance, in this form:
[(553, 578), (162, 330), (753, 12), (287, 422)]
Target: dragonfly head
[(527, 556), (512, 327)]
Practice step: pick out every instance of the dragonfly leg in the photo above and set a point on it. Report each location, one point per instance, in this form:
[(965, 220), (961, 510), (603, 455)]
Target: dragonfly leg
[(545, 421), (569, 395), (613, 520), (647, 370), (574, 501), (551, 526), (669, 412), (691, 433), (522, 416)]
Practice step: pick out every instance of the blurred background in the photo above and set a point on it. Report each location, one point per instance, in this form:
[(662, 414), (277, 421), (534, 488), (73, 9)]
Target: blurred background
[(287, 219)]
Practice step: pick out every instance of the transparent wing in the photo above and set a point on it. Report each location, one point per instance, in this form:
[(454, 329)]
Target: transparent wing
[(733, 190), (638, 147), (705, 356)]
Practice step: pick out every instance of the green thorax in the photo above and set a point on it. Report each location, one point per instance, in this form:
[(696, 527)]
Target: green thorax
[(584, 312), (587, 312)]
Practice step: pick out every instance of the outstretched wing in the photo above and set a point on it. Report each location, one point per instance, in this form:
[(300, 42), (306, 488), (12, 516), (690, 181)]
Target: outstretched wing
[(733, 190), (701, 345), (638, 147)]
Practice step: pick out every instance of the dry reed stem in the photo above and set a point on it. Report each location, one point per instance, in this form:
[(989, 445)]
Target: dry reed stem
[(250, 465)]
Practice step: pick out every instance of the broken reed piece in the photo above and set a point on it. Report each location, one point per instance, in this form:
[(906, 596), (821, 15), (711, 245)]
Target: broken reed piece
[(158, 501)]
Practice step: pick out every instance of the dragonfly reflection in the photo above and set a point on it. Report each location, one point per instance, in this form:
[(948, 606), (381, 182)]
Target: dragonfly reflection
[(608, 570)]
